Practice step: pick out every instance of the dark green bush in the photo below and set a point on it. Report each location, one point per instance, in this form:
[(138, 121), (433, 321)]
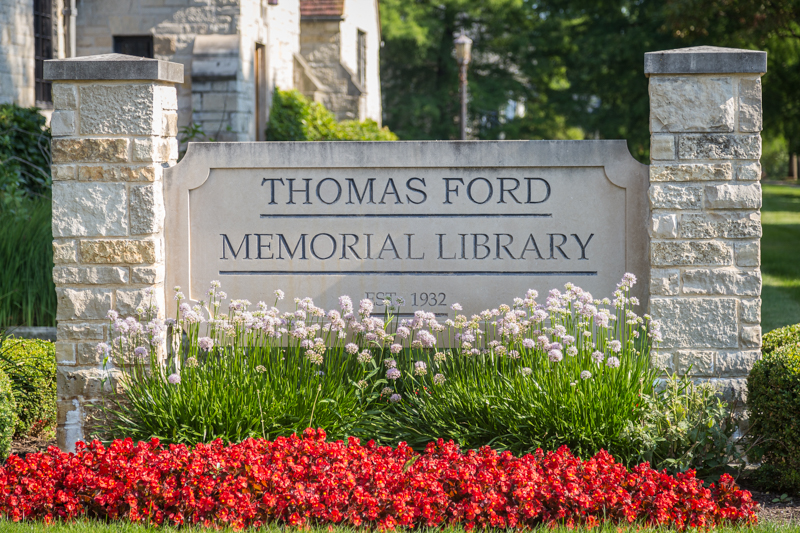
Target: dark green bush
[(293, 118), (780, 337), (7, 415), (24, 156), (27, 292), (31, 366), (773, 396)]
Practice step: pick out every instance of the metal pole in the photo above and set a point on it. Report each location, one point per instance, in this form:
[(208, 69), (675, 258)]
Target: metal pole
[(463, 79)]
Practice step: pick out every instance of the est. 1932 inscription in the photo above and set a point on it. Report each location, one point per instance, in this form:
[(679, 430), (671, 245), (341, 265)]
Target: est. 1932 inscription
[(434, 223)]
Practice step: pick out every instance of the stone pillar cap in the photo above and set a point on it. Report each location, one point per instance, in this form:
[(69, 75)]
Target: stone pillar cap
[(705, 60), (113, 67)]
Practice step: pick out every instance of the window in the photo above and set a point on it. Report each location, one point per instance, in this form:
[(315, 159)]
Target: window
[(362, 59), (134, 45), (43, 39), (260, 69)]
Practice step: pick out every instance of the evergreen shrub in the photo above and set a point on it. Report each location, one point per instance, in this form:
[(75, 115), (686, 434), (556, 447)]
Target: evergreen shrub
[(774, 400), (780, 337), (7, 415), (294, 118), (24, 156), (31, 366)]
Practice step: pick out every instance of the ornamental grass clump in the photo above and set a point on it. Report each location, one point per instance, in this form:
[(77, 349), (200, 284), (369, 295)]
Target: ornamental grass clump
[(518, 377)]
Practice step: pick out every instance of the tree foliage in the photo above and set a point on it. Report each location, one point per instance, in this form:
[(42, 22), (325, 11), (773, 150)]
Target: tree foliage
[(576, 65)]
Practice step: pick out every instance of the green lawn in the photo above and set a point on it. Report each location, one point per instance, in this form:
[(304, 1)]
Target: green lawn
[(780, 256), (122, 527)]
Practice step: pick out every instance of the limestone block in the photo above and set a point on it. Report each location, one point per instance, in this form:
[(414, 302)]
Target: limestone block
[(725, 281), (63, 172), (85, 304), (65, 353), (62, 123), (697, 322), (65, 411), (679, 104), (89, 209), (118, 110), (733, 196), (692, 172), (749, 172), (119, 251), (683, 253), (87, 382), (751, 336), (166, 97), (220, 101), (151, 149), (695, 362), (129, 299), (662, 147), (735, 364), (119, 173), (715, 146), (663, 360), (734, 225), (664, 226), (80, 331), (90, 150), (147, 209), (731, 390), (748, 253), (86, 354), (65, 96), (750, 112), (65, 252), (89, 275), (665, 282), (751, 310), (148, 274), (169, 124), (676, 197)]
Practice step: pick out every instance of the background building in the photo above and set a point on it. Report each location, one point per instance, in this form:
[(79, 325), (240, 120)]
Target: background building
[(235, 52)]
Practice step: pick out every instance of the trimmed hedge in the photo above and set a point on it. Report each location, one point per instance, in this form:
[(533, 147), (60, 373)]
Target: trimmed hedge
[(293, 118), (34, 383), (8, 416), (774, 401), (780, 337)]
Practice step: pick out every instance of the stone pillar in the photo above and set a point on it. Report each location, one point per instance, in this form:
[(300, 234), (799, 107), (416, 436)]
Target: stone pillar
[(705, 200), (114, 130)]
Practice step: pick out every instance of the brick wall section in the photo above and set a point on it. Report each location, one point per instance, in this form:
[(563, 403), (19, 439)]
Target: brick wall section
[(111, 142), (705, 200)]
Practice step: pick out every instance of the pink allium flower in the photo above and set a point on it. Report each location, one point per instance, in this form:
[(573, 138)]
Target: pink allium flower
[(140, 351), (174, 379), (206, 343), (420, 368), (394, 398), (613, 362), (396, 348), (528, 343), (555, 356), (351, 348), (393, 374)]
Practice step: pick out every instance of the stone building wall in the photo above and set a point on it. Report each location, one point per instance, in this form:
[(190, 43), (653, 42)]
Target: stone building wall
[(16, 52), (362, 15), (705, 199)]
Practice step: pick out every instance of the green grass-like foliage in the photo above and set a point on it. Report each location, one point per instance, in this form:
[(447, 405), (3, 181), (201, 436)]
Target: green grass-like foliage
[(34, 383), (27, 292), (24, 156), (774, 400), (570, 371), (294, 118), (780, 337), (8, 417)]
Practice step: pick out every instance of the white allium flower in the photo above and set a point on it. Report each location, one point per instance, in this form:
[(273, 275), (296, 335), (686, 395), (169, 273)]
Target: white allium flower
[(140, 351), (613, 362), (179, 296), (396, 348), (615, 346), (439, 379), (528, 343), (112, 315), (206, 343), (598, 357), (572, 351), (393, 374), (586, 374), (174, 379), (103, 349), (555, 356), (364, 357), (526, 371), (394, 398), (420, 368), (390, 363), (351, 348), (456, 307), (279, 294), (386, 391)]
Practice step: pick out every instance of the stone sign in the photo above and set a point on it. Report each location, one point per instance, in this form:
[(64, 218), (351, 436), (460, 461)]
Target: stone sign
[(431, 223)]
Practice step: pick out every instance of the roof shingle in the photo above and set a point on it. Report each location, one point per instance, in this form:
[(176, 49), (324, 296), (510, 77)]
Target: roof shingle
[(321, 8)]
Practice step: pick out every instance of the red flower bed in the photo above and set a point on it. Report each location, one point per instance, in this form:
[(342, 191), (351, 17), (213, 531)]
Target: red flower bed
[(306, 480)]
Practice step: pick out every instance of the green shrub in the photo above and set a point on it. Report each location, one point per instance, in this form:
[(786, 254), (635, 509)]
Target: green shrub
[(773, 396), (293, 118), (7, 415), (685, 426), (780, 337), (24, 156), (27, 292), (31, 366)]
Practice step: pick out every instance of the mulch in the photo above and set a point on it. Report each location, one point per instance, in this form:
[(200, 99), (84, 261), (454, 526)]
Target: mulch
[(785, 512)]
